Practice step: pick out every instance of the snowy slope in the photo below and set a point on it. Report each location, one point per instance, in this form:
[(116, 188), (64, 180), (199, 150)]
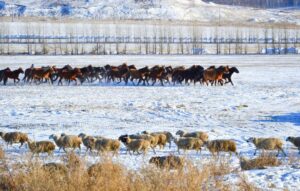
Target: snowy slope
[(156, 9), (264, 102)]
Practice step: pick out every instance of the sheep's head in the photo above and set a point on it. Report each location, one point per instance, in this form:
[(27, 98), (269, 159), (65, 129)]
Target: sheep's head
[(2, 134), (145, 132), (251, 140), (180, 133), (63, 134), (289, 139), (82, 135), (53, 137), (154, 160)]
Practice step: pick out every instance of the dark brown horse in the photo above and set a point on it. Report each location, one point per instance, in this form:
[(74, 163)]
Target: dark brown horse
[(70, 75), (12, 75), (2, 73)]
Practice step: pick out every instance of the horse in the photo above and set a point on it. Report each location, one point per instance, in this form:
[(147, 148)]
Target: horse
[(8, 74), (156, 73), (43, 73), (2, 73), (227, 76), (214, 75), (70, 75)]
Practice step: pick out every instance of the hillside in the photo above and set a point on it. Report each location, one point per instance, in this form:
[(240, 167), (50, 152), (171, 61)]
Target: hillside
[(186, 10), (259, 3)]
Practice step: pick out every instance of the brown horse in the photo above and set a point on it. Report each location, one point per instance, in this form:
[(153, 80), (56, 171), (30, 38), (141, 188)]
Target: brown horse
[(70, 75), (12, 75), (214, 75), (156, 73), (38, 74)]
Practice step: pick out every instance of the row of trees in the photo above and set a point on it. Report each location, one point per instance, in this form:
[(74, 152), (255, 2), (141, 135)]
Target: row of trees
[(115, 38)]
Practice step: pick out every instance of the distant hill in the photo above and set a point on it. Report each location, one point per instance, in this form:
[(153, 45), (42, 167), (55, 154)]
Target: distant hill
[(258, 3), (206, 11)]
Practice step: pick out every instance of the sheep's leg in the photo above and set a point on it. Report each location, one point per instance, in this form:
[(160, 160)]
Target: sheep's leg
[(170, 145), (255, 152), (280, 149), (64, 149), (178, 150), (153, 150), (21, 145)]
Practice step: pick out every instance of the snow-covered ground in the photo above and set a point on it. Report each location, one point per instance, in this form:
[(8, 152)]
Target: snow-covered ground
[(263, 103), (187, 10)]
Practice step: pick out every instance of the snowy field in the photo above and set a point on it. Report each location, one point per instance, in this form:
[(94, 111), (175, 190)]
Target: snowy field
[(263, 103)]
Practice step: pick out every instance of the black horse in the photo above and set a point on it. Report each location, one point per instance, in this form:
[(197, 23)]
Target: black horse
[(227, 76)]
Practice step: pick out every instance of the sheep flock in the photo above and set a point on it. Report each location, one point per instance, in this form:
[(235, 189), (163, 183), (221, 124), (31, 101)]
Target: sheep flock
[(142, 143)]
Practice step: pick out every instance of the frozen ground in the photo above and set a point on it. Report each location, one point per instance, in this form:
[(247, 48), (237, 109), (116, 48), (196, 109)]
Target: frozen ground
[(264, 102)]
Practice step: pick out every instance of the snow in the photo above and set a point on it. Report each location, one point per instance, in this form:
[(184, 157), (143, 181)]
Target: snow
[(263, 103), (188, 10)]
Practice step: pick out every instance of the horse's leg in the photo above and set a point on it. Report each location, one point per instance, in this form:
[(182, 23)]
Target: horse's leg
[(154, 81)]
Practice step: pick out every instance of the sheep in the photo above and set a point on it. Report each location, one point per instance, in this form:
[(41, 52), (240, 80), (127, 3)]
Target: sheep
[(135, 145), (107, 145), (67, 141), (153, 140), (167, 162), (258, 163), (58, 140), (267, 144), (41, 147), (295, 141), (169, 136), (14, 137), (198, 134), (221, 145), (88, 141), (188, 143)]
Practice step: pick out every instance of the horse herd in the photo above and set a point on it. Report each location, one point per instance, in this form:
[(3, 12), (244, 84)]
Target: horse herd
[(122, 73)]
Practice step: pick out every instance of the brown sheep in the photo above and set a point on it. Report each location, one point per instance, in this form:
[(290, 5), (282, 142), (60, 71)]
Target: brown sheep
[(168, 162), (258, 163), (198, 134), (103, 145), (137, 145), (221, 145), (41, 147), (88, 141), (153, 140), (169, 136), (267, 144), (67, 141), (14, 137), (295, 141), (188, 143)]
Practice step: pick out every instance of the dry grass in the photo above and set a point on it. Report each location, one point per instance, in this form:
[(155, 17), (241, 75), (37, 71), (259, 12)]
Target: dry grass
[(260, 162), (74, 174)]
